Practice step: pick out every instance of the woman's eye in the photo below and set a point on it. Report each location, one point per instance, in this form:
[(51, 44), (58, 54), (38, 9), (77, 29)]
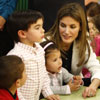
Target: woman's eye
[(62, 25), (73, 26)]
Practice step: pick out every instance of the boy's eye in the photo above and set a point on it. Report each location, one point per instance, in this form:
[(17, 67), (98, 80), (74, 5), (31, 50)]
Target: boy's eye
[(37, 28)]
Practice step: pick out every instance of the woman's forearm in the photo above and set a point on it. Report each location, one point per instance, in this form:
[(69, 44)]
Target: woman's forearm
[(95, 83)]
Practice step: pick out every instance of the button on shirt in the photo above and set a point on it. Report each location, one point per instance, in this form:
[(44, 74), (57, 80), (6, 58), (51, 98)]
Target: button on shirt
[(37, 77)]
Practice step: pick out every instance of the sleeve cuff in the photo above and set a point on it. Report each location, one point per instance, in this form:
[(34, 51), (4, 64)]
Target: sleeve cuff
[(47, 92), (68, 91)]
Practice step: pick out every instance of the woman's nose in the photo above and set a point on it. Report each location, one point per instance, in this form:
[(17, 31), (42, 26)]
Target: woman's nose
[(67, 30)]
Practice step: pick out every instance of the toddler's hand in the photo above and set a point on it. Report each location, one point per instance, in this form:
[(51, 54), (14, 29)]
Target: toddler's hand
[(53, 97), (74, 85), (78, 79)]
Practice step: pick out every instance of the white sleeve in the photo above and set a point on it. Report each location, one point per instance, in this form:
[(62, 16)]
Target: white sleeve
[(93, 65)]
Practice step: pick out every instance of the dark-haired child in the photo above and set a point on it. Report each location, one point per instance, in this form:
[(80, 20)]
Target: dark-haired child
[(26, 28), (57, 73), (12, 76)]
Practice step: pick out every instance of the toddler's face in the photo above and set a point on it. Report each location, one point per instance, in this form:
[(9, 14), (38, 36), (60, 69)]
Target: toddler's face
[(54, 61), (92, 29), (35, 33)]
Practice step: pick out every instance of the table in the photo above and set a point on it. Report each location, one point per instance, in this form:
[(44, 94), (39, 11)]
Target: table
[(98, 57), (77, 95)]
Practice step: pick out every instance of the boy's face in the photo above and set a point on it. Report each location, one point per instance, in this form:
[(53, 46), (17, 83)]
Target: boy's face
[(54, 61), (35, 33)]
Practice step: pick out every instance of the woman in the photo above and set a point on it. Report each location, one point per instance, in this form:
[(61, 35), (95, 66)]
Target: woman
[(69, 34)]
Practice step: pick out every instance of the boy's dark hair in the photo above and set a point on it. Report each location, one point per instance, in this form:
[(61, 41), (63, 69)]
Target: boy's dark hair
[(21, 20), (11, 69)]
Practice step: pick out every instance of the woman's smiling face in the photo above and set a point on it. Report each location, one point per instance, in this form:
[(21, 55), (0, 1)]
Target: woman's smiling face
[(69, 29)]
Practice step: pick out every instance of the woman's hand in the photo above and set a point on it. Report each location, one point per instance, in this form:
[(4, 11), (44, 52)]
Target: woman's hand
[(91, 90)]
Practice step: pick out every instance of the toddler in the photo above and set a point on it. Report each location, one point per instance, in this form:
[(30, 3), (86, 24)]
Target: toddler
[(57, 73)]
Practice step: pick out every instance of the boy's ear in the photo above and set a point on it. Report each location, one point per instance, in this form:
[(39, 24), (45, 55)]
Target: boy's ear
[(18, 83), (21, 34)]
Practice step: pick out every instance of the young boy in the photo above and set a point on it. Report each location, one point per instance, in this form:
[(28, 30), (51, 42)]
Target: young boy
[(26, 28), (12, 76)]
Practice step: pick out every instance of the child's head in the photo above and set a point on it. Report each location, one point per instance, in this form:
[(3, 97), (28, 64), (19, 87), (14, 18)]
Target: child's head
[(92, 9), (26, 26), (93, 31), (52, 56), (96, 21), (12, 71)]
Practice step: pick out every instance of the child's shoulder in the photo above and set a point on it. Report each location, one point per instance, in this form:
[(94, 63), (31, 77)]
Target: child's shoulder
[(3, 92), (64, 70), (15, 51)]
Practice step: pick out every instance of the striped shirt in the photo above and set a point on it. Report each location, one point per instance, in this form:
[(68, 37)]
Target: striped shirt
[(37, 77)]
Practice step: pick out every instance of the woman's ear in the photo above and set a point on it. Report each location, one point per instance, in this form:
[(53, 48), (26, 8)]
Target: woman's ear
[(21, 34)]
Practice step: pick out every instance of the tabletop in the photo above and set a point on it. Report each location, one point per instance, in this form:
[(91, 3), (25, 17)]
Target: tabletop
[(98, 57), (77, 95)]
